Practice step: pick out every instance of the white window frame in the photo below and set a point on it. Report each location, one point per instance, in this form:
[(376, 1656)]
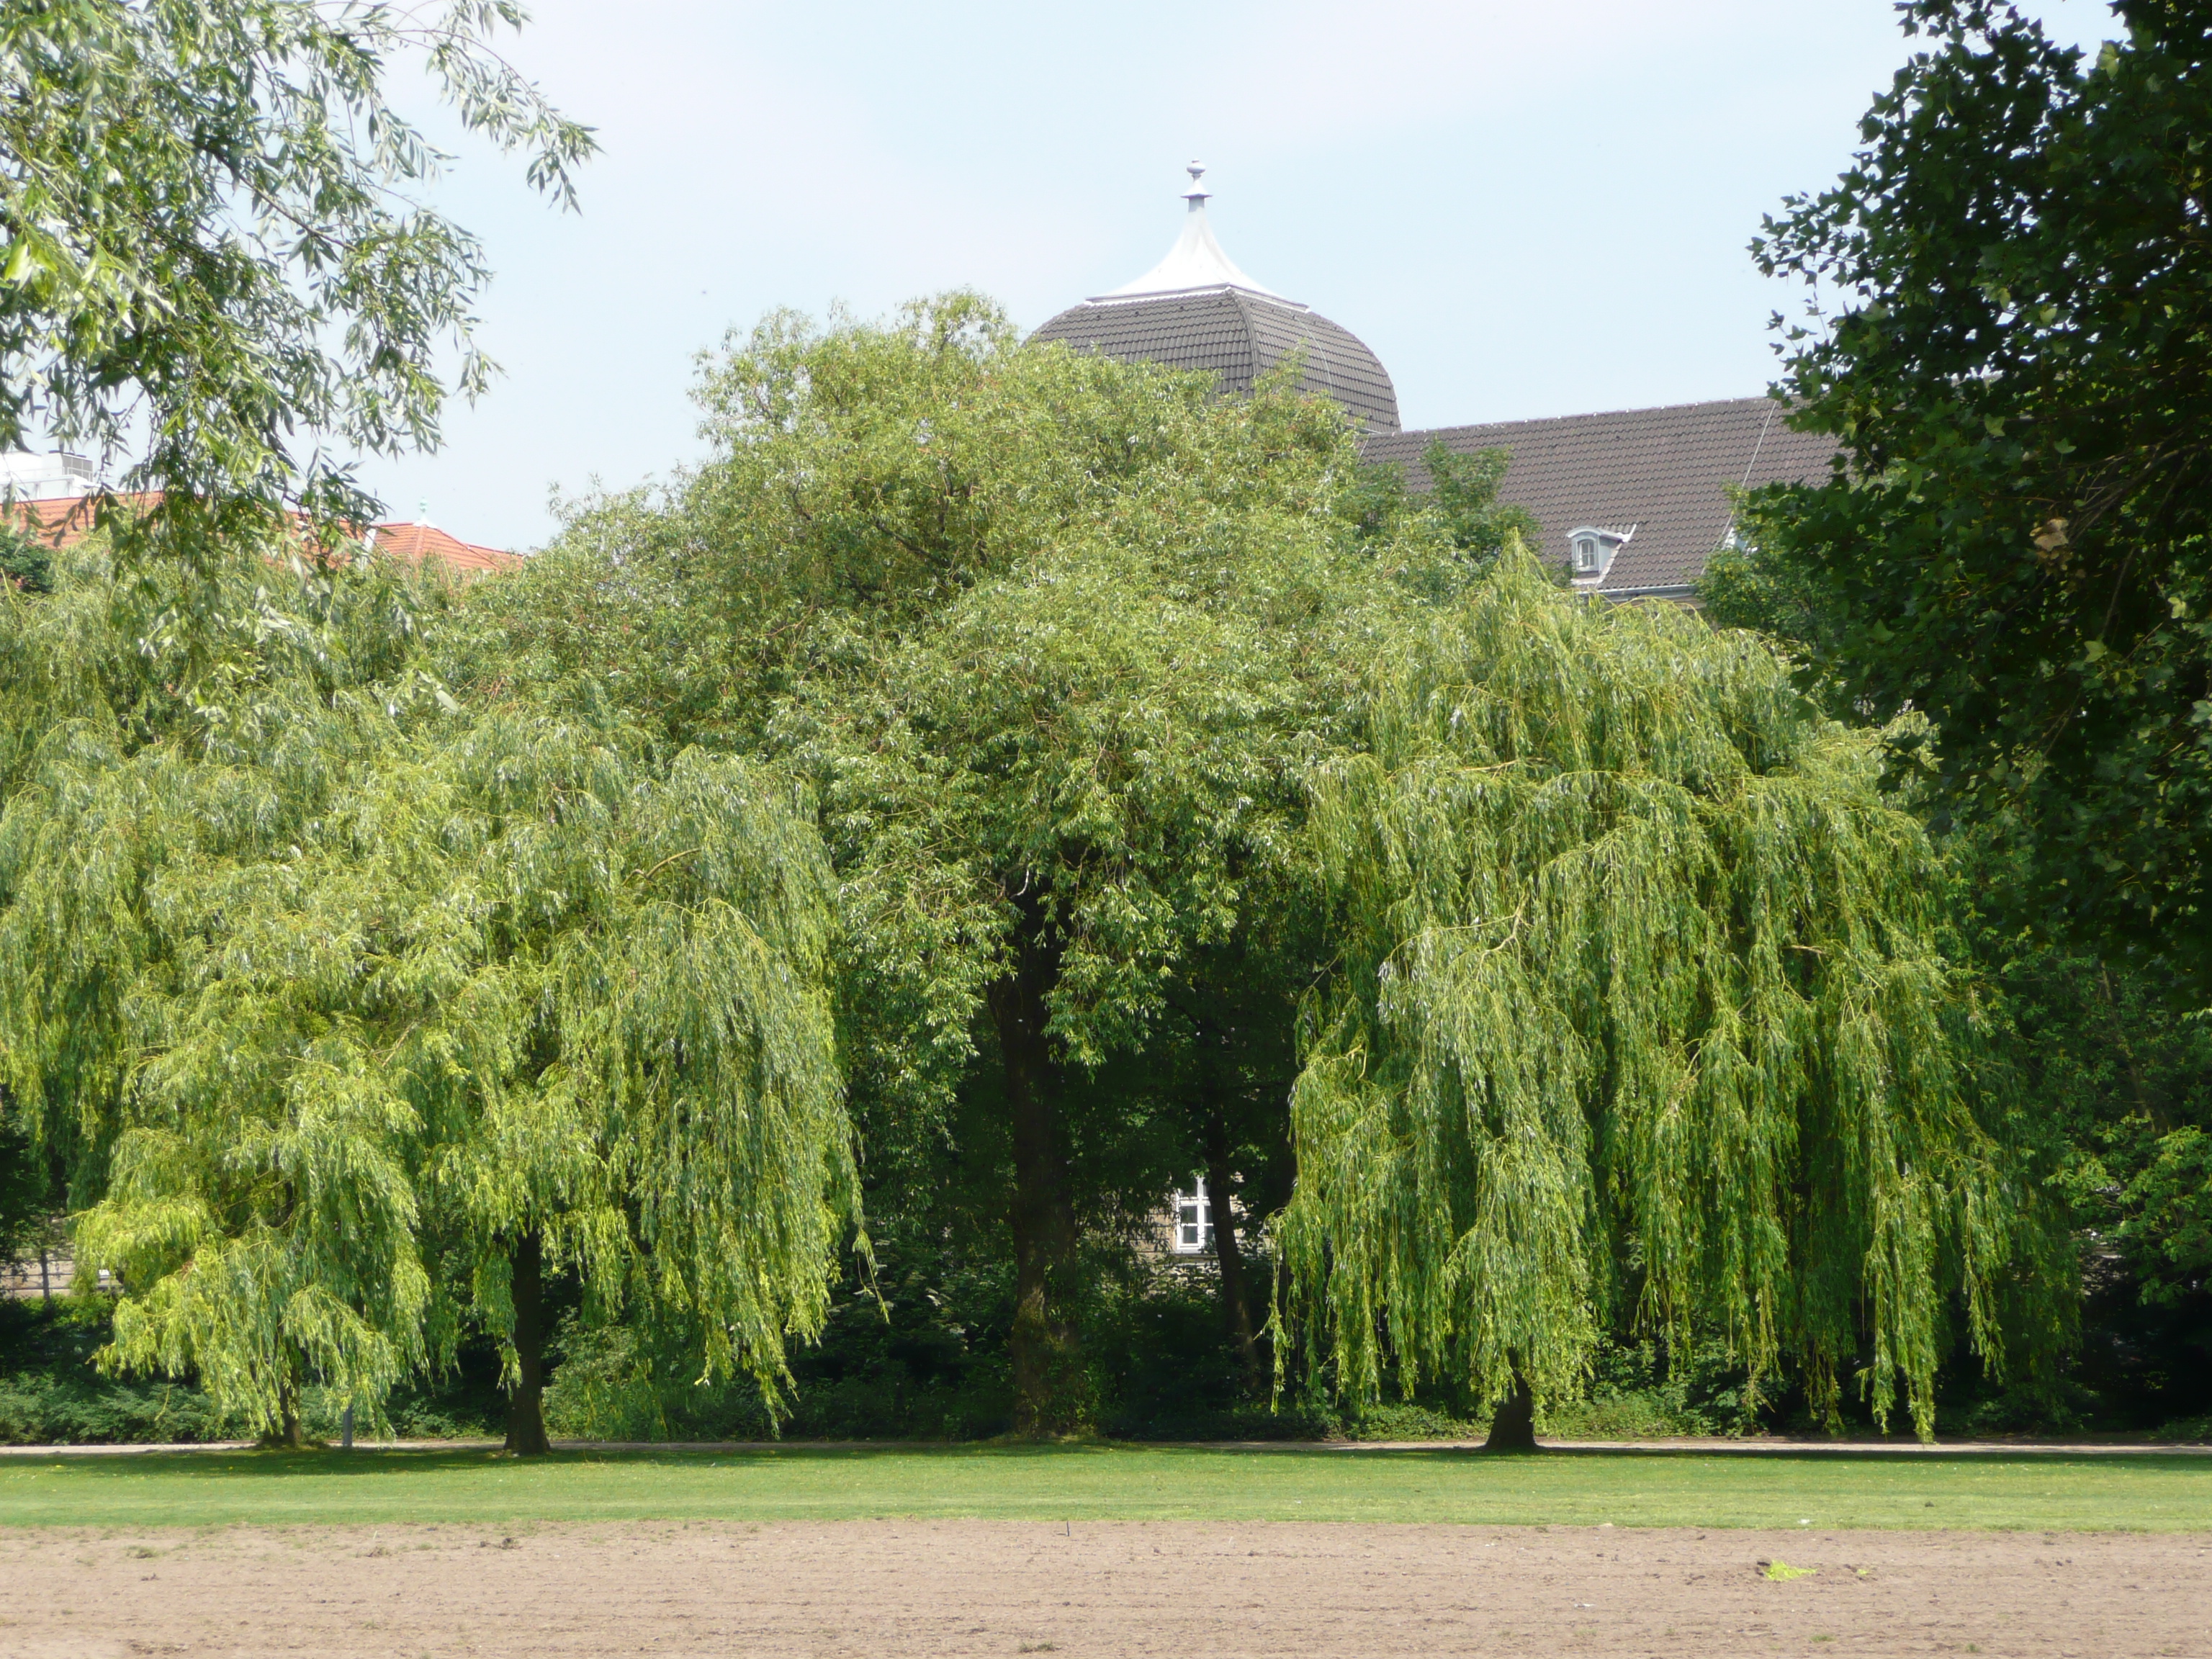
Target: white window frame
[(1194, 1236), (1590, 550)]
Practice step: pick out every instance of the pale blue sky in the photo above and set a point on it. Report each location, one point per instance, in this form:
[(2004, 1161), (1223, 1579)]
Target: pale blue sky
[(1525, 209)]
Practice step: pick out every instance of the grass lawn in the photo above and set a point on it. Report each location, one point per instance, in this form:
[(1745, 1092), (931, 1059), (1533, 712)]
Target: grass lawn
[(1114, 1483)]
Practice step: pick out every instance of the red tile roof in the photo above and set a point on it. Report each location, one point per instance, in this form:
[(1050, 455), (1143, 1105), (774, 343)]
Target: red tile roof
[(65, 520), (418, 542)]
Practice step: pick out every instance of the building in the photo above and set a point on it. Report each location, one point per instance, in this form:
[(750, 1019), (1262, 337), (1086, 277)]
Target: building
[(1179, 1234), (41, 1278), (422, 542), (1196, 310), (1631, 501), (53, 498), (58, 476)]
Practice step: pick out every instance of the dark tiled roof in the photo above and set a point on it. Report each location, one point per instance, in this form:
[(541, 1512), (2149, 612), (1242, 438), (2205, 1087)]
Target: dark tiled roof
[(1237, 335), (1662, 472)]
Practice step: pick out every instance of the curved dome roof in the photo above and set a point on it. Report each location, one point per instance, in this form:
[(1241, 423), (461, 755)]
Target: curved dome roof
[(1196, 310)]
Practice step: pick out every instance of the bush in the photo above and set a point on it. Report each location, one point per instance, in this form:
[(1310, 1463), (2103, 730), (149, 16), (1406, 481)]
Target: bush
[(1634, 1393), (50, 1394), (919, 1355)]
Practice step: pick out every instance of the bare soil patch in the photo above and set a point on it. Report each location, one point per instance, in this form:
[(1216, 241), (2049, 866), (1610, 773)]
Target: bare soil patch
[(887, 1589)]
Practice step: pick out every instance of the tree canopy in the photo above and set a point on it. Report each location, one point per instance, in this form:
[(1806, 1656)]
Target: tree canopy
[(208, 255), (1643, 1016), (1054, 638), (1001, 781), (365, 1007), (1129, 710), (2010, 343)]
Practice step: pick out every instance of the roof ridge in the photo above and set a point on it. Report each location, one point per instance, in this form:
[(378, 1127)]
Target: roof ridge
[(1104, 301), (1252, 369), (1587, 414)]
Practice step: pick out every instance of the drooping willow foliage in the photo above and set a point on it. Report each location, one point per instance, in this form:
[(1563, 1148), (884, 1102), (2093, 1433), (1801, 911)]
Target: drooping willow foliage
[(1641, 1012), (344, 988)]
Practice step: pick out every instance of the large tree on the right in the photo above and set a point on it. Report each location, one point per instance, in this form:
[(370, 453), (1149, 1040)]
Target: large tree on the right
[(2012, 345)]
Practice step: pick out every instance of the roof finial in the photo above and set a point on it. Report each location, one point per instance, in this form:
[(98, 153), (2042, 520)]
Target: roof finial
[(1196, 262)]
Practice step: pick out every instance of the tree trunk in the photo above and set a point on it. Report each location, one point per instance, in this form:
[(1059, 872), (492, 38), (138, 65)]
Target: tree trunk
[(1048, 1379), (1513, 1425), (525, 1407), (1228, 1251), (2153, 1110), (288, 1433)]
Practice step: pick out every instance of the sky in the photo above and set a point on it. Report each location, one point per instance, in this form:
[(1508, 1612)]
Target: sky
[(1523, 209)]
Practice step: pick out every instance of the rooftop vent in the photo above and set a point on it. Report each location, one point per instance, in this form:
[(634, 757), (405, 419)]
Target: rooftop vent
[(59, 475)]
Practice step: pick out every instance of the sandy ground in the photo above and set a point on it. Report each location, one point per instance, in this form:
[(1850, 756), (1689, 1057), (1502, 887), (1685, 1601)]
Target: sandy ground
[(892, 1589)]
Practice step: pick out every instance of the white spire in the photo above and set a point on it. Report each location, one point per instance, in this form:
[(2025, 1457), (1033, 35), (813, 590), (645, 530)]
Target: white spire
[(1195, 262)]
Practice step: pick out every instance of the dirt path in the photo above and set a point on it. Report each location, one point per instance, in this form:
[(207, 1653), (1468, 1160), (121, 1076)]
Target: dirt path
[(887, 1589)]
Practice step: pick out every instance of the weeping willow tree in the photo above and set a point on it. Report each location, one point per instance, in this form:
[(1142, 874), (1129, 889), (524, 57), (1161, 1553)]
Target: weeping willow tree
[(377, 1008), (1642, 1015)]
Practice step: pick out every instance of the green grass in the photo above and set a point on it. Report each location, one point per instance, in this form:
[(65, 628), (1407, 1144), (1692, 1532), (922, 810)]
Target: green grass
[(1114, 1483)]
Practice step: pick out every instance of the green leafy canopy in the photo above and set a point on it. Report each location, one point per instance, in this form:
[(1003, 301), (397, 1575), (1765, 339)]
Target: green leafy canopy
[(1639, 1009), (344, 993), (1642, 1010), (209, 253), (2009, 342)]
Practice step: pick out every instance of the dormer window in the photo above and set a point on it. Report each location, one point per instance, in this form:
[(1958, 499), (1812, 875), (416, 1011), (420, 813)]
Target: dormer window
[(1590, 550)]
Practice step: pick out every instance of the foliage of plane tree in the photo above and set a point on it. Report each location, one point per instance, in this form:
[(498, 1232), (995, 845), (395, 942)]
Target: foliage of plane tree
[(2122, 1080), (1085, 760), (1644, 1018), (2123, 1087), (362, 1009), (1226, 1059), (213, 254), (2011, 341)]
